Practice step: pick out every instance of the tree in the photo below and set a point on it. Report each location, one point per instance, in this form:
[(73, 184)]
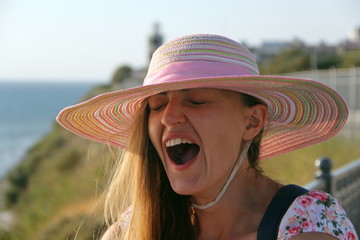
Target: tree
[(291, 59), (350, 58), (122, 73)]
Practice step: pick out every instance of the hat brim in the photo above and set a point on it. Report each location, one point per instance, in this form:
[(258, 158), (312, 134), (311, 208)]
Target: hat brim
[(301, 112)]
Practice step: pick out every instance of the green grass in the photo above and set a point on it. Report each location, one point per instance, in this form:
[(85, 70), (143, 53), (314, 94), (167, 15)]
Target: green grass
[(58, 176), (298, 167)]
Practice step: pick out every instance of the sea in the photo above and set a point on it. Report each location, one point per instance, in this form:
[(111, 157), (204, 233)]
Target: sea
[(28, 111)]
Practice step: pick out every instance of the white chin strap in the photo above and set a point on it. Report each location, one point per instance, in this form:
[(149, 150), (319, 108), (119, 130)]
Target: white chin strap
[(228, 181)]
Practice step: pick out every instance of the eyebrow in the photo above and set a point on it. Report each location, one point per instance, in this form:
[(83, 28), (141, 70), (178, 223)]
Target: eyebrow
[(182, 90)]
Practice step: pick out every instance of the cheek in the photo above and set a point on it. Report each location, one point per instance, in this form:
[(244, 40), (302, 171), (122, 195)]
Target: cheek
[(225, 135)]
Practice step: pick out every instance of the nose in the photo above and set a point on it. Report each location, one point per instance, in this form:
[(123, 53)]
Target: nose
[(173, 114)]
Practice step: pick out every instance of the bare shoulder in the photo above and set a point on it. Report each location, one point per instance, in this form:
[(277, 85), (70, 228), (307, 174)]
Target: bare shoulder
[(112, 233), (313, 236)]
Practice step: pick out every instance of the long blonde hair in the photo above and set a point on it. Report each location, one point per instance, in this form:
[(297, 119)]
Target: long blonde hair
[(141, 184)]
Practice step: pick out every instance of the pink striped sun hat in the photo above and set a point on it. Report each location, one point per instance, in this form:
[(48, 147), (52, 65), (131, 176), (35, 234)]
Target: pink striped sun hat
[(301, 112)]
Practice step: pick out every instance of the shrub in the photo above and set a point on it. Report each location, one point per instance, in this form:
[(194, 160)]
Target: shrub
[(69, 161)]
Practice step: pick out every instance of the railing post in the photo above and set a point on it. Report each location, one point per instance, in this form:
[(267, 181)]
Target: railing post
[(324, 166)]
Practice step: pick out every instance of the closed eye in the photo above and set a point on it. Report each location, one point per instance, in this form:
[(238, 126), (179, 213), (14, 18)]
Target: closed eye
[(196, 102), (157, 108), (157, 102)]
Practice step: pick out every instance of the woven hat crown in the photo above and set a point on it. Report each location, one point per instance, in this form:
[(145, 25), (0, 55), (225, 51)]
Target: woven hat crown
[(200, 56)]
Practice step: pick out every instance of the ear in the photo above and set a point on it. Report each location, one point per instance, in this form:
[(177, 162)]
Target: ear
[(256, 121)]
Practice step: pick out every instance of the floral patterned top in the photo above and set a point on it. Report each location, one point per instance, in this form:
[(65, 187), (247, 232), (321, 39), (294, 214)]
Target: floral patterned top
[(316, 211)]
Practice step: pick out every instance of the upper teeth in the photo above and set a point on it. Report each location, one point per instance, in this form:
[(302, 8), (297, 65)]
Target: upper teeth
[(176, 141)]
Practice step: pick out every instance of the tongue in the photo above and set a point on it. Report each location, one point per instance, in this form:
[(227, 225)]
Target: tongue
[(183, 153)]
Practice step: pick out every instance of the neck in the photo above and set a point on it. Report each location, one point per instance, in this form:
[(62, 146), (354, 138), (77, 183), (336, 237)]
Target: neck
[(241, 208)]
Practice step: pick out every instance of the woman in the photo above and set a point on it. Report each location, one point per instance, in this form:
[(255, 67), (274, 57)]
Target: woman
[(193, 136)]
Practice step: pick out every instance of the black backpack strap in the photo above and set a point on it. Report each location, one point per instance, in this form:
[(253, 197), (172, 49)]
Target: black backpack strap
[(269, 225)]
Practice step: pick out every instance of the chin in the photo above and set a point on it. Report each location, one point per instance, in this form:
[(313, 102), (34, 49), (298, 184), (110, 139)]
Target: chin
[(184, 188)]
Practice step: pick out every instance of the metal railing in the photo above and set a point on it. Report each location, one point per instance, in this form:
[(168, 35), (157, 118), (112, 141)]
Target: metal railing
[(342, 183)]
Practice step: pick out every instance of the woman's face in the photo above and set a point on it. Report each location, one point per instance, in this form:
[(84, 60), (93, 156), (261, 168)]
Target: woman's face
[(198, 134)]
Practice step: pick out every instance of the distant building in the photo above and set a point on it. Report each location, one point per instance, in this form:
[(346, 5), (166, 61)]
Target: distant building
[(354, 35), (269, 49), (273, 47), (155, 40), (352, 43), (347, 45)]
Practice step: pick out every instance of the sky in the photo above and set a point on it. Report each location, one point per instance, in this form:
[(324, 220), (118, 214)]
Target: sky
[(86, 40)]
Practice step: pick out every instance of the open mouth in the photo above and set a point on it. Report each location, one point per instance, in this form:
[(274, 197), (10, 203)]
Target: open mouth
[(181, 150)]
